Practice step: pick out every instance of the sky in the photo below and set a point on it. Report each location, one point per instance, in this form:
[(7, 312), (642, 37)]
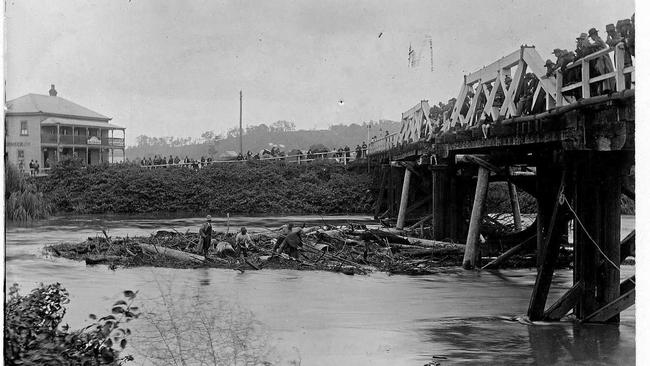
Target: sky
[(176, 68)]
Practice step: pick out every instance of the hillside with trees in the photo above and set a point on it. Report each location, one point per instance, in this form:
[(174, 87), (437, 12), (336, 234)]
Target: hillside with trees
[(282, 134)]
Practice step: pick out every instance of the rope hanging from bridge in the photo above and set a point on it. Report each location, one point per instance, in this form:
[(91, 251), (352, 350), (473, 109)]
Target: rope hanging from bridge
[(562, 201)]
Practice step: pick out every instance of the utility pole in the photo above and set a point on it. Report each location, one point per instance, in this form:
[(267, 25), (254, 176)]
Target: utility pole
[(241, 135)]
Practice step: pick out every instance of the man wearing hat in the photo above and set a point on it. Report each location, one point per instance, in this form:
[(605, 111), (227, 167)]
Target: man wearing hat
[(613, 38), (583, 47), (602, 65), (550, 67), (205, 234)]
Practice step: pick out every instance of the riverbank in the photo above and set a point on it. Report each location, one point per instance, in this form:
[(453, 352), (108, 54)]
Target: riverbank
[(241, 188)]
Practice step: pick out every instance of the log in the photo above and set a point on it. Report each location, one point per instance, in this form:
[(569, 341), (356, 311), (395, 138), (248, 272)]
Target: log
[(373, 234), (434, 243), (172, 253), (101, 259), (512, 251), (421, 221)]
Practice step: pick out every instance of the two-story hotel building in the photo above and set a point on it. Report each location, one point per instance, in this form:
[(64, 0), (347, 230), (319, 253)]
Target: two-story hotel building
[(47, 128)]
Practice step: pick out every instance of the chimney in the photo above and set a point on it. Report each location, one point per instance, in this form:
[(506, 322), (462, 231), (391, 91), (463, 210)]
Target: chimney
[(53, 91)]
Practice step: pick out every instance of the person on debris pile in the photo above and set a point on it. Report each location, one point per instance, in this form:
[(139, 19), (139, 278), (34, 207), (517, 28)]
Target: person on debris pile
[(292, 244), (364, 149), (205, 235), (284, 231), (357, 150), (243, 242)]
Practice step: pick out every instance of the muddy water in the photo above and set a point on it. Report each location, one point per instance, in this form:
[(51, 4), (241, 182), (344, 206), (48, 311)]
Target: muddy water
[(315, 318)]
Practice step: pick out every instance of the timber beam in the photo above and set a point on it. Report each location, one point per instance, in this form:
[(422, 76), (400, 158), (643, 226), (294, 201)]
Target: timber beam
[(610, 311), (565, 303)]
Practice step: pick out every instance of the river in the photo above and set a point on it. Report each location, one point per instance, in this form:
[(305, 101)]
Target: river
[(454, 317)]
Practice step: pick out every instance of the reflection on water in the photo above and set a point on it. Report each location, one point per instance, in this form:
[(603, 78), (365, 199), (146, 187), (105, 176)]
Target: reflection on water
[(316, 318), (498, 341)]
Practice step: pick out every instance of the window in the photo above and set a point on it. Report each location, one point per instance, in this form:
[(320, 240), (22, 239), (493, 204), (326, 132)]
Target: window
[(21, 154), (23, 128)]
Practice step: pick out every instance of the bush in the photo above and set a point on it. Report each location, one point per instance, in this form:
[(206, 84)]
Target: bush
[(23, 202), (34, 334), (249, 187)]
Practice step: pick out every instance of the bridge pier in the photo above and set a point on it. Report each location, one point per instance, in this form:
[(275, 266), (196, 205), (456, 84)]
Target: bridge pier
[(472, 252), (401, 216), (597, 204)]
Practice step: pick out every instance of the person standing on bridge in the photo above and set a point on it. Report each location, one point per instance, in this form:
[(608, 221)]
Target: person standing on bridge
[(602, 65), (205, 235)]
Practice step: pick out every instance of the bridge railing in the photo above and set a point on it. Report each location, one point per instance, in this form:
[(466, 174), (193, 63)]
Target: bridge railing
[(298, 159), (382, 144), (620, 75)]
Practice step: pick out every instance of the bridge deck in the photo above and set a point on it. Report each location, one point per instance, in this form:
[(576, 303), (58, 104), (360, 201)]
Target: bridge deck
[(599, 123)]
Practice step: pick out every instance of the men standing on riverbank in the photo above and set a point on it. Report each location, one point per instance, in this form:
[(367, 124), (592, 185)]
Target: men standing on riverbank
[(205, 233)]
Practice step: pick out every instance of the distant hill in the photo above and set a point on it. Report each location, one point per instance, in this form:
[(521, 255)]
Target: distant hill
[(258, 137)]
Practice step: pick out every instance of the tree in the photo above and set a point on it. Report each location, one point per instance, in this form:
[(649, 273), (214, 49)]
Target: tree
[(283, 126), (143, 141), (207, 136)]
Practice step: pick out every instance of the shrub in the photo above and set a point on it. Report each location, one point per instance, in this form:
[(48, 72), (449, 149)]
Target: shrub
[(248, 187), (23, 202), (34, 334)]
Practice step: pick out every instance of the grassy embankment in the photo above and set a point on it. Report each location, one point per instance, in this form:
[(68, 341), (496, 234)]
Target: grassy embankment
[(244, 188), (23, 202)]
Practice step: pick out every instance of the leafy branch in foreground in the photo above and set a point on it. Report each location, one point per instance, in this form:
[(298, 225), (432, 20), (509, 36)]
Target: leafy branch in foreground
[(34, 334)]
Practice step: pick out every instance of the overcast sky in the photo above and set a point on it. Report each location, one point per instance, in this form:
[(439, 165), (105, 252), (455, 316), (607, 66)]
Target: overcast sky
[(176, 68)]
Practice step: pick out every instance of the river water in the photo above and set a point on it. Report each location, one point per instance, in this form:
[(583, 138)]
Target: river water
[(454, 317)]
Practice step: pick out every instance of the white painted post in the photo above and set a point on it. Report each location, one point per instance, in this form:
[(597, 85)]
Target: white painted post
[(585, 79), (401, 216), (619, 58), (559, 99)]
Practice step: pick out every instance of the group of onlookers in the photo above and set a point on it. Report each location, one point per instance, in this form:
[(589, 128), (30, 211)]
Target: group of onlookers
[(338, 154), (159, 161), (589, 43)]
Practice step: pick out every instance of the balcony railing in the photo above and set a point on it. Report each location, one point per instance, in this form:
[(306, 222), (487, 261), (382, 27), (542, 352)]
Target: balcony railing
[(48, 138)]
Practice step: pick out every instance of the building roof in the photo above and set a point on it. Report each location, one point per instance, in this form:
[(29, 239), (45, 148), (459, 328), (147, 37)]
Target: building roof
[(53, 121), (45, 104)]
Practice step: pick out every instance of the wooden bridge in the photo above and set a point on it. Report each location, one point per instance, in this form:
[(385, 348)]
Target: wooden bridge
[(566, 138)]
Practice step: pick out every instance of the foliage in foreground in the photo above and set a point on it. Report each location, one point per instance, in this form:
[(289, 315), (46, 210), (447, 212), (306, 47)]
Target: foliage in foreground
[(23, 202), (249, 187), (34, 334)]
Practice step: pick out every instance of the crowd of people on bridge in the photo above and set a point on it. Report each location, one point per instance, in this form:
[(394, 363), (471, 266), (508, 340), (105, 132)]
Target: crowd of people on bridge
[(342, 155), (589, 43), (586, 44)]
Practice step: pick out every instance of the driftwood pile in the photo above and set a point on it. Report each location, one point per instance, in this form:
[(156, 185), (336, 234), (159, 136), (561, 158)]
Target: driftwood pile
[(350, 249)]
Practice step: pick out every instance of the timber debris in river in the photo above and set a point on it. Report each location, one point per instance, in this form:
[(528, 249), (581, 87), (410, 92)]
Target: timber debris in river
[(350, 249)]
